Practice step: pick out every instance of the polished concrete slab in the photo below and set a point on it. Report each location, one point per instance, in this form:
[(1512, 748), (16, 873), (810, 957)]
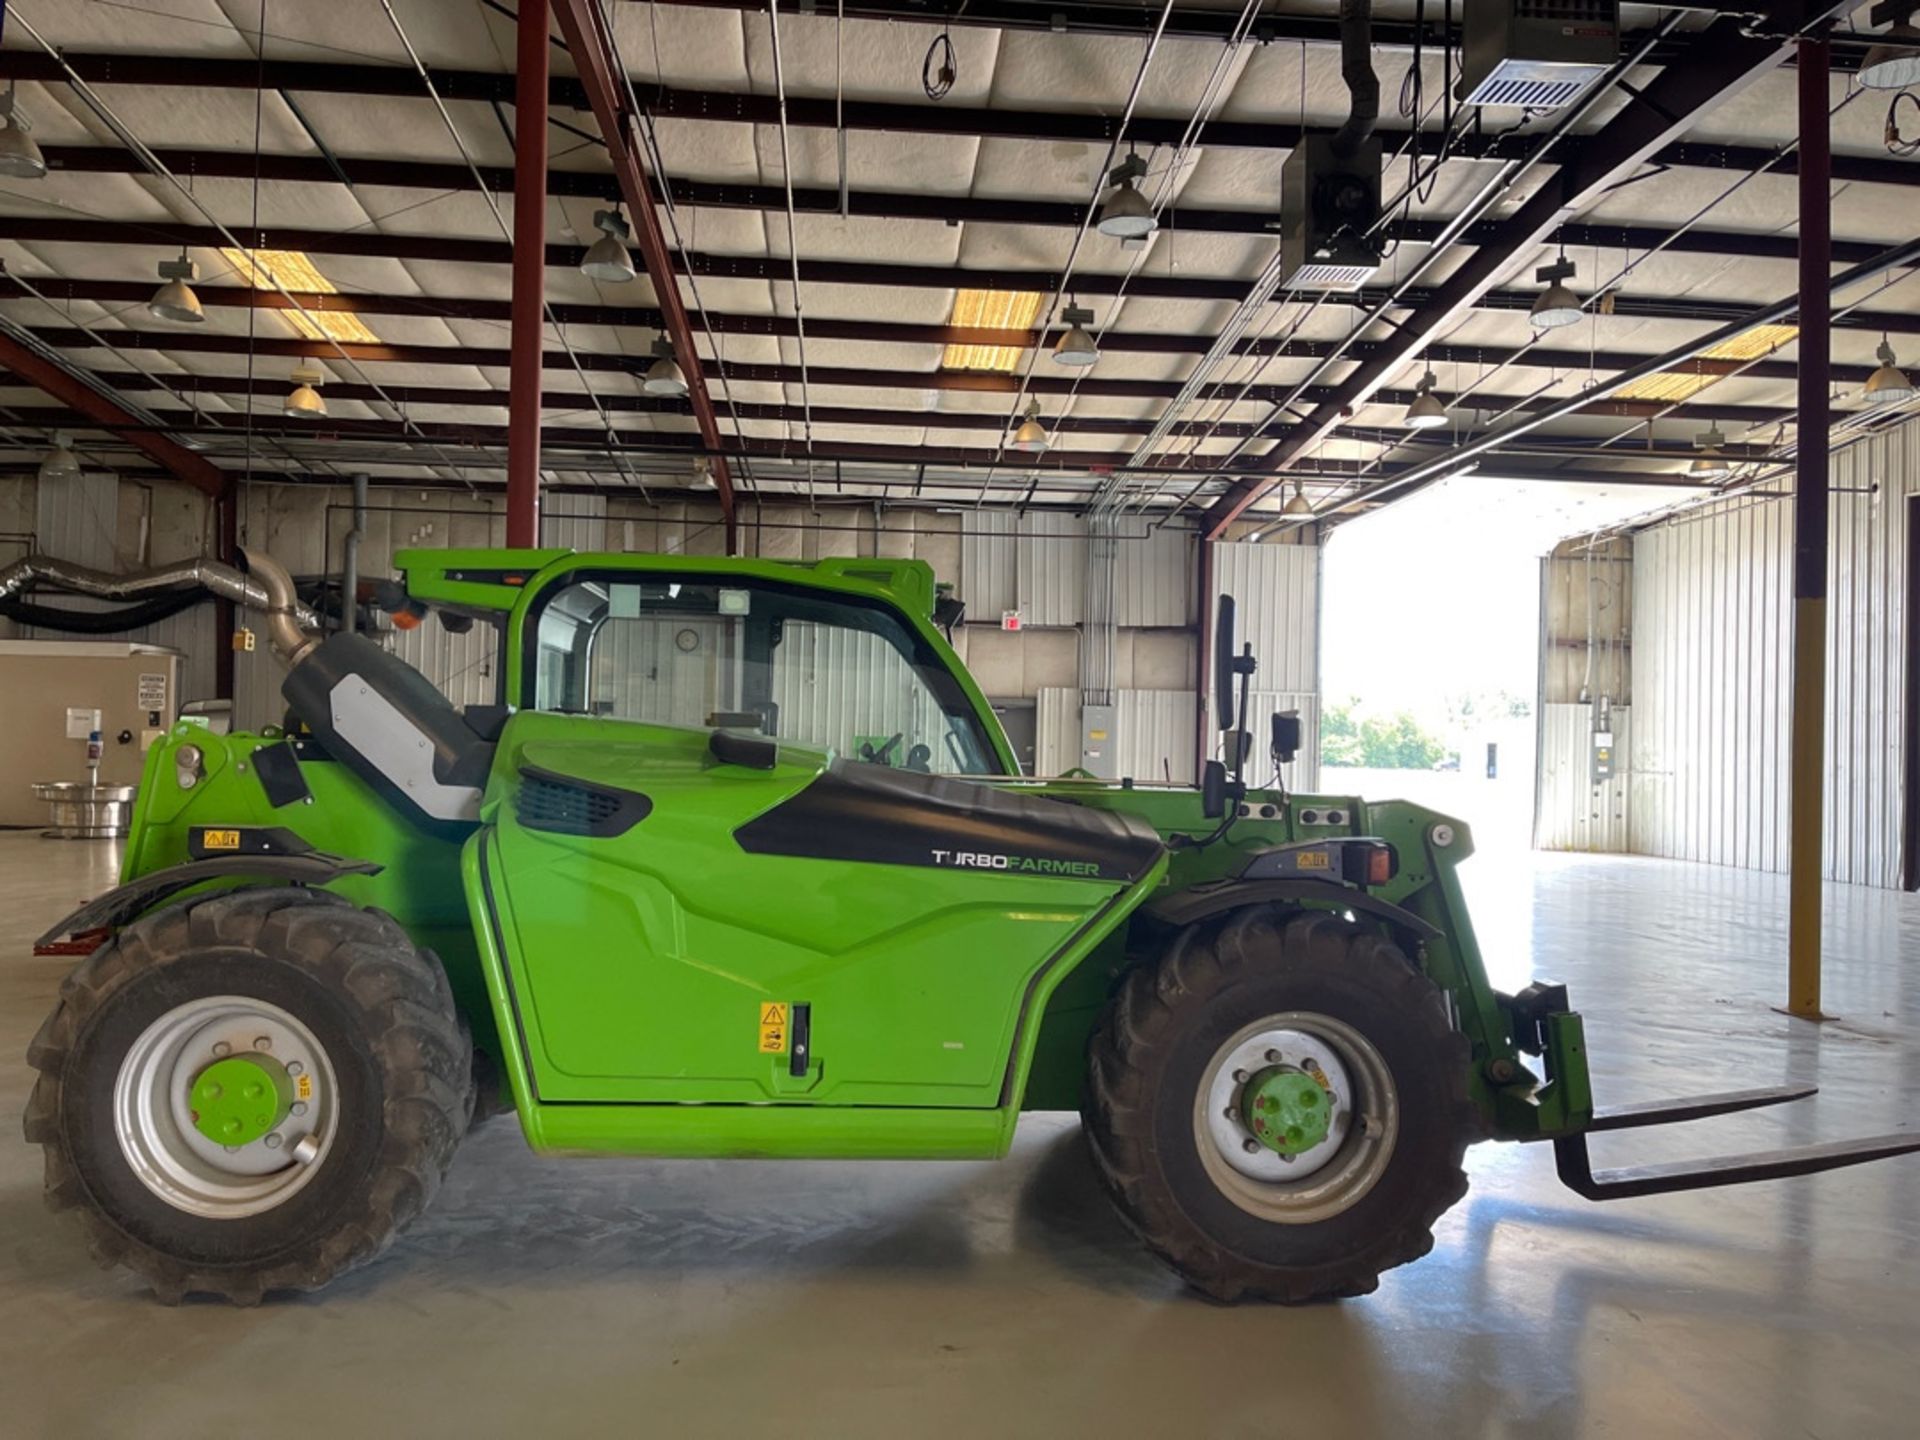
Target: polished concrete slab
[(560, 1298)]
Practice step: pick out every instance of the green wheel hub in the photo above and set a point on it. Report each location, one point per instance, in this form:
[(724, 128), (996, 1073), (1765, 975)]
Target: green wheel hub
[(237, 1100), (1286, 1109)]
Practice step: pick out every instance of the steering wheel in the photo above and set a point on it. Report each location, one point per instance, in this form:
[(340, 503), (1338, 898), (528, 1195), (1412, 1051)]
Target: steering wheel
[(882, 756)]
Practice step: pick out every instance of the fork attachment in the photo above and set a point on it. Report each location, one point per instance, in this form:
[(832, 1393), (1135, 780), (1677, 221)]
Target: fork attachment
[(1577, 1172)]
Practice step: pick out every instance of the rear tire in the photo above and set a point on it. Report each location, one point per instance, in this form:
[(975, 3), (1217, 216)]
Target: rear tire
[(347, 1009), (1233, 1217)]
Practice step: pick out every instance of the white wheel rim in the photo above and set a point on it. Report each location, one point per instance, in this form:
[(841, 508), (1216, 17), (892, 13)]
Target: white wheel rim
[(153, 1119), (1333, 1175)]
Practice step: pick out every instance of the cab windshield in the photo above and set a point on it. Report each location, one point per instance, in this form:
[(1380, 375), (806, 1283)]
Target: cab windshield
[(739, 653)]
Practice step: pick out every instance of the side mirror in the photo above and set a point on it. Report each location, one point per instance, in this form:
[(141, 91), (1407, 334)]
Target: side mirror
[(1223, 665), (1286, 735), (1213, 790)]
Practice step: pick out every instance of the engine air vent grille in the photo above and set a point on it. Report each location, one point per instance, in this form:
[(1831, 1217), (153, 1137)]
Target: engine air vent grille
[(560, 805)]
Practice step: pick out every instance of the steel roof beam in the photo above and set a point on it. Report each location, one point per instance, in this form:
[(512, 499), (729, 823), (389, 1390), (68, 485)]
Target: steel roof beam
[(882, 116), (1721, 61), (189, 386), (890, 205)]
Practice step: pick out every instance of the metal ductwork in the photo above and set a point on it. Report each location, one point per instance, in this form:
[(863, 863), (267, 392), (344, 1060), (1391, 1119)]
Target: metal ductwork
[(292, 629), (1356, 68), (209, 575)]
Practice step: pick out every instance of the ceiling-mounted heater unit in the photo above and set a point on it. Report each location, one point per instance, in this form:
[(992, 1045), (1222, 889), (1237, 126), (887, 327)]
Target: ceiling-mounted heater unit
[(1535, 54), (1330, 213)]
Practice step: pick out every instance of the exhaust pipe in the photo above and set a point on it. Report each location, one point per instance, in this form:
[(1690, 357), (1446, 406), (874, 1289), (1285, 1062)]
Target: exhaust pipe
[(292, 629), (208, 575), (350, 562)]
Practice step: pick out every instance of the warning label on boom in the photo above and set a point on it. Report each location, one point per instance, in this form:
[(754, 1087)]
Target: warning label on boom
[(773, 1028)]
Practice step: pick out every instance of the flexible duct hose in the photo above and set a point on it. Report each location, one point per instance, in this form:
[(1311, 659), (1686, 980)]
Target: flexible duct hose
[(199, 574), (291, 627), (1356, 68)]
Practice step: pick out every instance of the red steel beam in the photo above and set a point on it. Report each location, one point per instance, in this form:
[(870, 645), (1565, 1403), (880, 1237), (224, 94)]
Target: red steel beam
[(591, 49), (528, 326), (77, 395)]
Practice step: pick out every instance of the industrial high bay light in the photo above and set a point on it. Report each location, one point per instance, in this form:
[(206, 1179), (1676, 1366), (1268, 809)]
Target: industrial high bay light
[(1712, 463), (1125, 213), (304, 401), (1889, 384), (1297, 502), (175, 300), (1893, 66), (1426, 412), (608, 258), (1557, 305), (60, 462), (1032, 438), (1076, 347), (664, 376), (20, 157)]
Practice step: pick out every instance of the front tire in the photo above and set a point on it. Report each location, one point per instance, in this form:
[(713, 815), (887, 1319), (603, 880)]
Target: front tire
[(250, 1091), (1325, 1022)]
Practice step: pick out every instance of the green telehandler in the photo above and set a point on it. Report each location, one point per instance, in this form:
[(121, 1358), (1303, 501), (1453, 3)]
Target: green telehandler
[(742, 864)]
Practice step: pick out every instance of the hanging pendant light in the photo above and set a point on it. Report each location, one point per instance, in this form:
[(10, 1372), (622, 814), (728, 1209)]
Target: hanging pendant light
[(304, 401), (1557, 305), (61, 463), (1889, 384), (175, 300), (20, 157), (1076, 347), (1032, 438), (1895, 66), (607, 258), (1426, 412), (1125, 213), (664, 376), (1712, 463), (1297, 502)]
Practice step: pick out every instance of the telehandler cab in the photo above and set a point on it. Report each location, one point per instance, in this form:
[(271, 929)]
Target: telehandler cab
[(653, 904)]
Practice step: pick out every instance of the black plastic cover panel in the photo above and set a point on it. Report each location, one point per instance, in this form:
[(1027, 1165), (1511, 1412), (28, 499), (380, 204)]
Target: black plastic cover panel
[(885, 816)]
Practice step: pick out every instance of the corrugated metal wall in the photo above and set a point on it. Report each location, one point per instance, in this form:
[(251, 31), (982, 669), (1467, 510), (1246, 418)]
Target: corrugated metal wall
[(1713, 634), (1572, 812), (1276, 593)]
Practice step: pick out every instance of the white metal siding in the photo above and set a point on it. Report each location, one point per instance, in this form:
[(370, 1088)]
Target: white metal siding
[(1052, 576), (1574, 813), (1276, 596), (1155, 730), (1303, 773), (1713, 633), (1154, 581), (1056, 731), (79, 519), (988, 582)]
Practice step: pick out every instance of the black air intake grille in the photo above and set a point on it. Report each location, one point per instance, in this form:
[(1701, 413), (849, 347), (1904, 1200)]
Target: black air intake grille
[(560, 805)]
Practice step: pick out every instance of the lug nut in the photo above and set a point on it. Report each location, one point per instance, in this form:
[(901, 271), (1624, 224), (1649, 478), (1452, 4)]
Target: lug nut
[(273, 1142), (263, 1042), (221, 1047), (299, 1108), (1252, 1147), (1240, 1077), (294, 1067), (1273, 1057)]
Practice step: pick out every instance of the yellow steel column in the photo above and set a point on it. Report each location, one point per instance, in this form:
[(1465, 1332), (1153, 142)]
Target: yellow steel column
[(1806, 852)]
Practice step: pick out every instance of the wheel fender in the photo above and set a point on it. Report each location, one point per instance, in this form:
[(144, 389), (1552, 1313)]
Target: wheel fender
[(1204, 902), (125, 902)]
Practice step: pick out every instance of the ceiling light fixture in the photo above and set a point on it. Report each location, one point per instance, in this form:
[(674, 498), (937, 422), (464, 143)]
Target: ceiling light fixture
[(664, 376), (1426, 412), (1125, 213), (1557, 304), (1297, 502), (1889, 384), (607, 258), (61, 463), (1032, 437), (20, 157), (1076, 347), (1712, 463), (1893, 66), (304, 401), (175, 300)]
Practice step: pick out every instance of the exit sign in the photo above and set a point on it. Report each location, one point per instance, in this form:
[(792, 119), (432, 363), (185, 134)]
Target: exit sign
[(1009, 619)]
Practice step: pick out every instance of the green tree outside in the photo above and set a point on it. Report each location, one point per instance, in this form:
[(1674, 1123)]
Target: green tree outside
[(1354, 739)]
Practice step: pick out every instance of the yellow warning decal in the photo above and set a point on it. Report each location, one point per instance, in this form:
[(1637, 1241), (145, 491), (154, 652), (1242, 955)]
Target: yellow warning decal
[(303, 1087), (220, 839), (773, 1028), (1314, 860)]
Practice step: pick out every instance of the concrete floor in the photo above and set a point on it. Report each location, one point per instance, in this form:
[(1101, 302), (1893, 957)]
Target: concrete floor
[(558, 1298)]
